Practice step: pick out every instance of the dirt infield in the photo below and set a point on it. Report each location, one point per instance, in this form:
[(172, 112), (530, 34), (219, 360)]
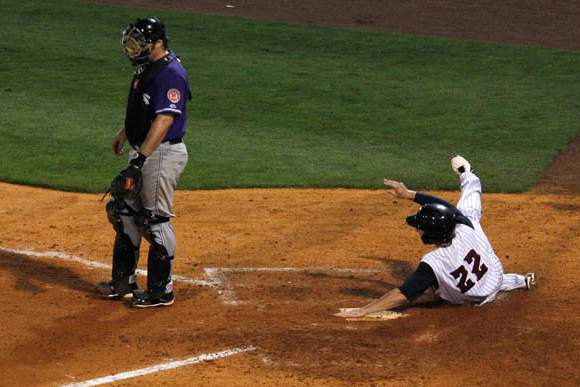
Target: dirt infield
[(264, 270), (541, 22), (288, 241)]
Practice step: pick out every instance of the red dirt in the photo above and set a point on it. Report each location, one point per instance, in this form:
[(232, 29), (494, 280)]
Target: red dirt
[(563, 176), (287, 316), (56, 331)]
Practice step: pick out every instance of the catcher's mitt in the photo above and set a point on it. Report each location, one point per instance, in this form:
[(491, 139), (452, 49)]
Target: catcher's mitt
[(127, 184)]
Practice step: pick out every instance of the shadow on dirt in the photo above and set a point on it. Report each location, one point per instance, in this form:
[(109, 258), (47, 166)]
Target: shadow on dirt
[(360, 278), (375, 287), (364, 293), (399, 269), (31, 274), (564, 207)]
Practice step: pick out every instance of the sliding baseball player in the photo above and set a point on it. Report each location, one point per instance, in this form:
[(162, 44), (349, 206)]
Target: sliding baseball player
[(463, 268)]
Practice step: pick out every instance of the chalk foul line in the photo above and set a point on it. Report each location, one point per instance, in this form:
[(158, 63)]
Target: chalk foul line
[(216, 276), (97, 265), (161, 367)]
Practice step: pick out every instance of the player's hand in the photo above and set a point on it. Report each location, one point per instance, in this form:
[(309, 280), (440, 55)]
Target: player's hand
[(355, 312), (132, 176), (132, 173), (399, 190), (127, 184), (118, 142)]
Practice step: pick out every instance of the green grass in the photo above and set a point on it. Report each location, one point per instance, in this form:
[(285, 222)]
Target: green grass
[(282, 106)]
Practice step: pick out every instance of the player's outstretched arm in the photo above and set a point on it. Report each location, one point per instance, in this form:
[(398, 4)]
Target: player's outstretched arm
[(422, 278), (392, 299), (399, 190)]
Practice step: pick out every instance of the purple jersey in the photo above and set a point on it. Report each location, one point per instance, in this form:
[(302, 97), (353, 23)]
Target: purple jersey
[(169, 93)]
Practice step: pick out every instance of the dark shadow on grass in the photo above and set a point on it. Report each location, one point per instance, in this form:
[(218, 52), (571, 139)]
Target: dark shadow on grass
[(31, 274)]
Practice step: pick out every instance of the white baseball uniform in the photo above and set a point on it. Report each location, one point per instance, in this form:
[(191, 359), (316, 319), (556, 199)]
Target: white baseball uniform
[(468, 270)]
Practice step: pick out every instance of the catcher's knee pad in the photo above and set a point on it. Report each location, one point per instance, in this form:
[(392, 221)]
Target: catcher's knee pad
[(115, 209), (145, 219), (159, 265), (125, 259), (114, 215)]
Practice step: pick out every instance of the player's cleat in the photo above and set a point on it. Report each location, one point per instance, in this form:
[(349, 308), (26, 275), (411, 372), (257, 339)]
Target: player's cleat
[(146, 299), (107, 290), (460, 165), (530, 280)]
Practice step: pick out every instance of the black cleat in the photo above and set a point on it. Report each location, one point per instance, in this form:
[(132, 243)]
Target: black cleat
[(107, 290), (146, 299)]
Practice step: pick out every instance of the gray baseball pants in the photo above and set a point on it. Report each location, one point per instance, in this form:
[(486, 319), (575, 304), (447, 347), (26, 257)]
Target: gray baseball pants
[(161, 173)]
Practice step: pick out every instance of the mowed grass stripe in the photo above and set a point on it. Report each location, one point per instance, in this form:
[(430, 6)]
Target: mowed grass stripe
[(283, 106)]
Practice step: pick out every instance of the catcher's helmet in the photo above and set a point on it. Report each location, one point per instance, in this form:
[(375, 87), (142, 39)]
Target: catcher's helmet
[(138, 38), (436, 221)]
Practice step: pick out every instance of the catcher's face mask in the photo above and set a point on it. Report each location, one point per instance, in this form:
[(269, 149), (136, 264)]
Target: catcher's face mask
[(136, 45)]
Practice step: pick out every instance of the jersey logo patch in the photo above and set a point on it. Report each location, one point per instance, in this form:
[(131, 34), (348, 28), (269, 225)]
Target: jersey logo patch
[(146, 99), (173, 95)]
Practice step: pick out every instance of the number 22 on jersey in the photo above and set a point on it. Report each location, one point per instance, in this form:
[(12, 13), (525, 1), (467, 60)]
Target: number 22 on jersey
[(478, 269)]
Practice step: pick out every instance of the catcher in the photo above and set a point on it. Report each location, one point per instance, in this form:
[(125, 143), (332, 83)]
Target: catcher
[(463, 268), (143, 193)]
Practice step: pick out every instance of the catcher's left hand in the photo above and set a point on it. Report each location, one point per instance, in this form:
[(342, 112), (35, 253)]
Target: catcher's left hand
[(128, 183)]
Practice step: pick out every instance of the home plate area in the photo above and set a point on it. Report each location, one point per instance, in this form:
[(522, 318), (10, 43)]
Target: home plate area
[(290, 285), (263, 286)]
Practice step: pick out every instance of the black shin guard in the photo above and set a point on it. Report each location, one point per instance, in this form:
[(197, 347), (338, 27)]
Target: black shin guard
[(158, 269), (125, 254), (125, 257)]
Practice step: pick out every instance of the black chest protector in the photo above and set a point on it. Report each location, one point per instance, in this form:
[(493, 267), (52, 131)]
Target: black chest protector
[(140, 113)]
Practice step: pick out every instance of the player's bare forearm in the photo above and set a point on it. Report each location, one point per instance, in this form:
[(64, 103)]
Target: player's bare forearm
[(156, 134), (392, 299)]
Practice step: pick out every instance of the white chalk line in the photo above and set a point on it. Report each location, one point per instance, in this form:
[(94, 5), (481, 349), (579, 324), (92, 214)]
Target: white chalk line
[(161, 367), (216, 275), (295, 269), (97, 265), (226, 290), (216, 278)]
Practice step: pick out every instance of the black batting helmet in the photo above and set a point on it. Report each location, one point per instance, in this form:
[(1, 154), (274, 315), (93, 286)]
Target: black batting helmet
[(139, 37), (436, 221)]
